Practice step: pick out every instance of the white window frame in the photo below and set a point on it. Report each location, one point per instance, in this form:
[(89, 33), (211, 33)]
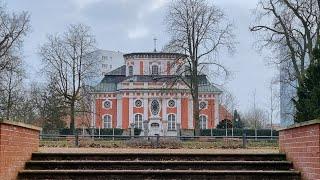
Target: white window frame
[(130, 74), (103, 121), (134, 120), (170, 122), (201, 123), (158, 69)]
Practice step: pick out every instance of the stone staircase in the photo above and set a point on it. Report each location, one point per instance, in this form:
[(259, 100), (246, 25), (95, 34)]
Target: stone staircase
[(158, 166)]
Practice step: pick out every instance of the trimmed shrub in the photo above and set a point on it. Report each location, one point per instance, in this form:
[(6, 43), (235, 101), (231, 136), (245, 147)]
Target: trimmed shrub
[(108, 131), (137, 131)]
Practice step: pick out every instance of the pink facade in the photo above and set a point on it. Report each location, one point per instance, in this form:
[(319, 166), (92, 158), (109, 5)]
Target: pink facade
[(141, 94)]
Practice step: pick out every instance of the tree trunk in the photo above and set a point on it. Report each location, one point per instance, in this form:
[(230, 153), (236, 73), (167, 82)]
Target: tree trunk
[(72, 117), (195, 98)]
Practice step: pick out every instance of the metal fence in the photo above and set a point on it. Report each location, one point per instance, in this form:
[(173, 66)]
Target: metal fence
[(53, 140)]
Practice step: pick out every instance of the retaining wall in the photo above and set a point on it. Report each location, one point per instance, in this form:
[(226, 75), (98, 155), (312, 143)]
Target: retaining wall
[(17, 142), (301, 143)]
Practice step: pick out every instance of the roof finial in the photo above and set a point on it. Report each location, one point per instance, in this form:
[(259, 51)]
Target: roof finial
[(155, 44)]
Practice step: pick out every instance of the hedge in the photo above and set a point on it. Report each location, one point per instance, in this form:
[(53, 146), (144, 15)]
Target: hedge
[(106, 131), (238, 132)]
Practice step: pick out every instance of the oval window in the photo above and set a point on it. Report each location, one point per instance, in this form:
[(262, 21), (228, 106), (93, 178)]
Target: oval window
[(155, 107)]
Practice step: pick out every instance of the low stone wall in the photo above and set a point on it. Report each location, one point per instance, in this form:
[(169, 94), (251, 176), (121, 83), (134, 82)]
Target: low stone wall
[(17, 142), (301, 143)]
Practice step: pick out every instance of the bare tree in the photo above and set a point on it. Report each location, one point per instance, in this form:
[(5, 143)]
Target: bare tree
[(198, 30), (274, 103), (255, 118), (67, 64), (228, 100), (13, 28), (291, 29), (11, 87)]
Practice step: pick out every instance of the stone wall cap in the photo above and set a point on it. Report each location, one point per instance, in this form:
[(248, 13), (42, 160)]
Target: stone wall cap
[(306, 123), (20, 124)]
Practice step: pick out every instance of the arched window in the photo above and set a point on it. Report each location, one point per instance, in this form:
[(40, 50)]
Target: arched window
[(171, 122), (203, 122), (130, 70), (138, 121), (107, 122), (154, 70)]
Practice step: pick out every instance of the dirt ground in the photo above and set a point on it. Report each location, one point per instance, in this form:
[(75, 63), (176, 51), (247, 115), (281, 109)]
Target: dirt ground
[(130, 150)]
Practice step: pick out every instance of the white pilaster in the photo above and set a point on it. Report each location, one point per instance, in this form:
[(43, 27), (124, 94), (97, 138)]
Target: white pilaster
[(136, 68), (145, 107), (164, 109), (146, 68), (179, 110), (216, 110), (119, 111), (130, 109), (93, 115)]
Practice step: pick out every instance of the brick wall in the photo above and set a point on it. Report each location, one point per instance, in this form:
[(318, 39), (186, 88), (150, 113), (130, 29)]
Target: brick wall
[(17, 142), (301, 143)]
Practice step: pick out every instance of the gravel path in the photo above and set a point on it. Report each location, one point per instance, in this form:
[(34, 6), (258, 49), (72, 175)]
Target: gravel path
[(129, 150)]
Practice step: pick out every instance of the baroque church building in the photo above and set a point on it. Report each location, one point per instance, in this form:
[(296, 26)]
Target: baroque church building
[(145, 93)]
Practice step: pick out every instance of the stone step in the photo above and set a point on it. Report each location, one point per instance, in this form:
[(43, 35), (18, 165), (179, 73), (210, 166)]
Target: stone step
[(158, 157), (159, 174), (160, 165)]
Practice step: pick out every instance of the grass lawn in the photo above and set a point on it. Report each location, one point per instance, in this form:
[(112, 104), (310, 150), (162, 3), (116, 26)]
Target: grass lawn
[(190, 144)]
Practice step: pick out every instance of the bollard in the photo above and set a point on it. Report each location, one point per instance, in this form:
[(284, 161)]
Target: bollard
[(244, 140), (157, 143)]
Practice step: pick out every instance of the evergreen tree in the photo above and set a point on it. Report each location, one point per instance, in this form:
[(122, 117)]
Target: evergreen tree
[(222, 124), (308, 101), (237, 123)]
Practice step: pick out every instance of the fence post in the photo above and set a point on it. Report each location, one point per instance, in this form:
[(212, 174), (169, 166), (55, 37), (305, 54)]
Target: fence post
[(112, 134), (82, 131), (92, 132), (158, 138), (255, 134), (99, 132), (244, 140), (77, 139)]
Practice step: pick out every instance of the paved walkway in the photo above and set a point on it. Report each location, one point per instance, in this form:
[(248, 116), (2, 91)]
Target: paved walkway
[(130, 150)]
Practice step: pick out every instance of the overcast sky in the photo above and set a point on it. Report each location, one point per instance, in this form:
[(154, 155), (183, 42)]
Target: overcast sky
[(130, 25)]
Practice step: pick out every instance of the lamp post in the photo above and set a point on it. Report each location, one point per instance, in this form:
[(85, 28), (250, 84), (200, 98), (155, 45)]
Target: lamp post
[(226, 127), (236, 120), (132, 130), (232, 127)]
